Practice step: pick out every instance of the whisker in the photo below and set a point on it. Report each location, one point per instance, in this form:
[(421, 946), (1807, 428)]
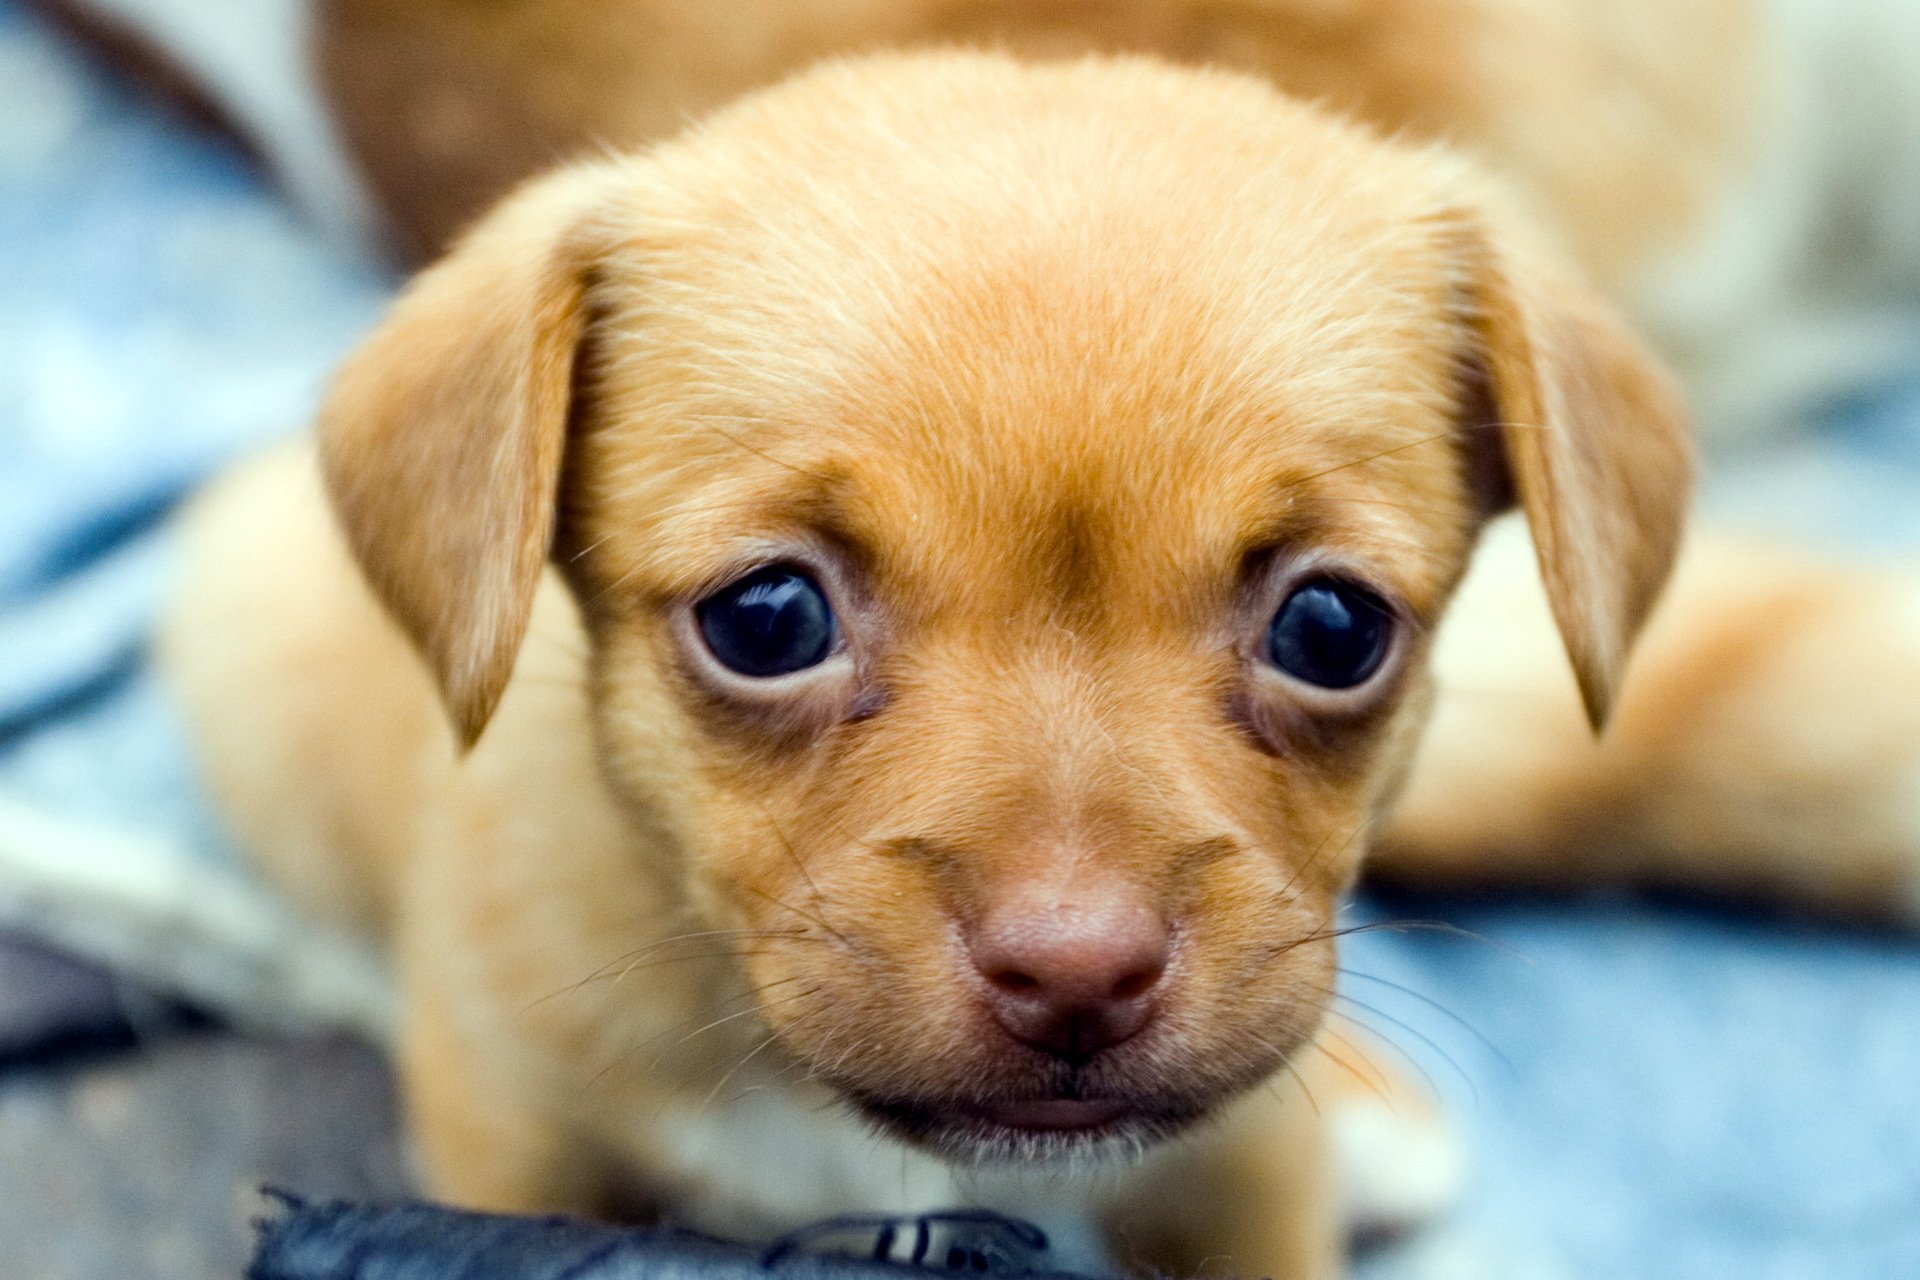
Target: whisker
[(758, 1006), (751, 994), (1384, 926), (1372, 457), (1454, 930), (720, 953), (1400, 1052), (717, 953), (1375, 1079), (771, 1038), (686, 937), (1466, 1077), (804, 915), (793, 1064), (794, 855), (640, 956), (1440, 1009), (1302, 1082), (1303, 868), (745, 1058)]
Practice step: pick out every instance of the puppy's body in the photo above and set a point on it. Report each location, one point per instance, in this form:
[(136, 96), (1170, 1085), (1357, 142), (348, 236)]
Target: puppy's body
[(1065, 402)]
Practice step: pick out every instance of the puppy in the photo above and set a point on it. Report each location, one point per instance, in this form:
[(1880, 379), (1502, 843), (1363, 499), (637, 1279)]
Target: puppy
[(855, 653)]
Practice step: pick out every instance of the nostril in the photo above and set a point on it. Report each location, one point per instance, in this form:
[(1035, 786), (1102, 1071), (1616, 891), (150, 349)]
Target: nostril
[(1133, 985), (1013, 980)]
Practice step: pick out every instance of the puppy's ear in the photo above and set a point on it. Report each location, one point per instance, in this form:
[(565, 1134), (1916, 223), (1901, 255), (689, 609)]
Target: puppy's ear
[(443, 436), (1572, 418)]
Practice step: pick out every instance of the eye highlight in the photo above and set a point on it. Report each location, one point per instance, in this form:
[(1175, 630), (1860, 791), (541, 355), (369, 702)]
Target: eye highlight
[(773, 622), (1330, 633)]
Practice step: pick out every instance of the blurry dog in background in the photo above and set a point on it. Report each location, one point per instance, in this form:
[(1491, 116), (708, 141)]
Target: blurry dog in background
[(1000, 512), (1739, 175)]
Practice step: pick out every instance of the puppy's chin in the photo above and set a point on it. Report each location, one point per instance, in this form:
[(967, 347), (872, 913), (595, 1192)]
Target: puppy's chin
[(1013, 1106), (1058, 1131)]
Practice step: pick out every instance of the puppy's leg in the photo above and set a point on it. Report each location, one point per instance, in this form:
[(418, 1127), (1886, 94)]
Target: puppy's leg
[(1254, 1196), (1768, 743), (489, 1131), (478, 1143)]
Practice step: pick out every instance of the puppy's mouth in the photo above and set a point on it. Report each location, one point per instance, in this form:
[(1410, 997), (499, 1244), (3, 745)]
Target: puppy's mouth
[(1054, 1115), (1032, 1130)]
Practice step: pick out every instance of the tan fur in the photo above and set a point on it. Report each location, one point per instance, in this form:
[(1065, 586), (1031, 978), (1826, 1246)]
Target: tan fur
[(1767, 747), (1623, 121), (1055, 374)]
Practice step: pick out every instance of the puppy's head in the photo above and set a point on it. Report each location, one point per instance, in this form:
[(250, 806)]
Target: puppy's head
[(1010, 506)]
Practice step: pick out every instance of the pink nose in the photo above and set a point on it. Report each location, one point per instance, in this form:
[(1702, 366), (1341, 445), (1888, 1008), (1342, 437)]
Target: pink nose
[(1071, 980)]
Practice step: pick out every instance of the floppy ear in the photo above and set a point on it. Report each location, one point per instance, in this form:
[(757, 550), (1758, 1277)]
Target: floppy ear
[(443, 436), (1575, 420)]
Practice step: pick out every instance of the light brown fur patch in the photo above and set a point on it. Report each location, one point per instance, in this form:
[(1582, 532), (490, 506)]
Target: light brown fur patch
[(1621, 122)]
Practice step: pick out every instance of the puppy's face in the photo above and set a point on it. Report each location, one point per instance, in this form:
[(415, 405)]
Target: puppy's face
[(1017, 615), (1009, 507)]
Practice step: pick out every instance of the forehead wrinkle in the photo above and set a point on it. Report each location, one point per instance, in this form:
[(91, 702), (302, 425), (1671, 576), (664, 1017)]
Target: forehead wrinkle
[(1070, 562), (1178, 504)]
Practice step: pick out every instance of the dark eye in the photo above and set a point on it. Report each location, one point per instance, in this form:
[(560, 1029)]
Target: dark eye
[(773, 622), (1330, 633)]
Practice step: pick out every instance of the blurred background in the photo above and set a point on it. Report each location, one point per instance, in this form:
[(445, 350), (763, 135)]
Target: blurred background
[(1648, 1088)]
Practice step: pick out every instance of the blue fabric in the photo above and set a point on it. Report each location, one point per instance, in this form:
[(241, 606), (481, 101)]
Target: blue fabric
[(1674, 1094), (159, 313)]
